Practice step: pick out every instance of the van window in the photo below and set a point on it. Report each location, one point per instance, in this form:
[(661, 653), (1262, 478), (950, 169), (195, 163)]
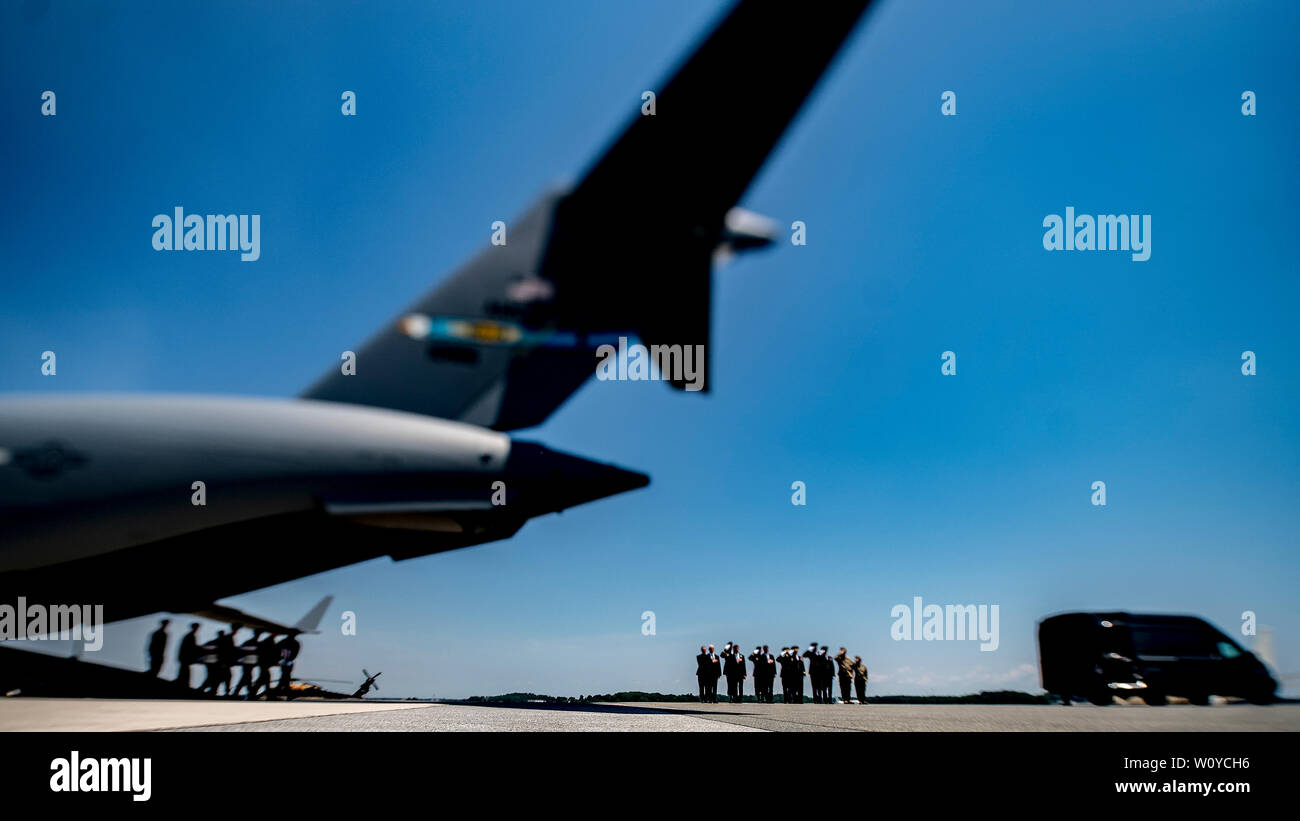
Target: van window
[(1227, 650), (1170, 641)]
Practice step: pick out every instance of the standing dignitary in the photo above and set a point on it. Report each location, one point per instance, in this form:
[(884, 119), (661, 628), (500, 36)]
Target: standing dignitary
[(702, 673), (735, 673)]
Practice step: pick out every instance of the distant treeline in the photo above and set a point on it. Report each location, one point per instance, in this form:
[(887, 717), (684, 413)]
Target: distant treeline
[(982, 697)]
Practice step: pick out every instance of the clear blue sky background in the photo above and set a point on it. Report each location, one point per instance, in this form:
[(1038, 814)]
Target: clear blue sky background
[(924, 234)]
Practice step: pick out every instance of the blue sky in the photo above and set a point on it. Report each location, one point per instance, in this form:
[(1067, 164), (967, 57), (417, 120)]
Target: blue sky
[(924, 235)]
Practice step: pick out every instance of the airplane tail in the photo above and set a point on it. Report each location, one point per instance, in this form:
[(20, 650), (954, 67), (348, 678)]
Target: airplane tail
[(309, 622), (629, 250)]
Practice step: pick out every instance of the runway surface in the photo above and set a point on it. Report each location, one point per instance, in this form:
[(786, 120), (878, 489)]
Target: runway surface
[(331, 716), (114, 715)]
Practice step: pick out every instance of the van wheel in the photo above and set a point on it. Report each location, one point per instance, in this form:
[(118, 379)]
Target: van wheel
[(1102, 698), (1065, 700), (1155, 699)]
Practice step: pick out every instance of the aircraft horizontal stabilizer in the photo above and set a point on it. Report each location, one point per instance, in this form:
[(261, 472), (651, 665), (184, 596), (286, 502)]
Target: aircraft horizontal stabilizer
[(230, 615)]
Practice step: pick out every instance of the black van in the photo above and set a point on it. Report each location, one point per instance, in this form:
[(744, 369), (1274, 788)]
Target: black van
[(1102, 655)]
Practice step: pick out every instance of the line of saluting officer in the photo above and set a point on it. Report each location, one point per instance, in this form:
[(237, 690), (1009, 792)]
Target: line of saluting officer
[(791, 666)]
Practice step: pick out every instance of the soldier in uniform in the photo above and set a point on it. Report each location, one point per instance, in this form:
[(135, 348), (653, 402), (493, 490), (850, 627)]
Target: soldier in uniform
[(814, 663), (798, 671), (768, 672), (248, 663), (814, 671), (158, 648), (268, 656), (844, 666), (289, 648), (860, 678), (783, 662), (764, 667), (216, 657), (828, 673), (188, 654)]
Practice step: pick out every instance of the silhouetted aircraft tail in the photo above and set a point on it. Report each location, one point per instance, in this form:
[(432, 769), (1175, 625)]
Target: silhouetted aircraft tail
[(309, 622), (506, 339), (231, 615)]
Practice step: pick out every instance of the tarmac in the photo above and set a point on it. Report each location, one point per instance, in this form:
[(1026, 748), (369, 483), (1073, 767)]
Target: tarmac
[(116, 715), (101, 715)]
